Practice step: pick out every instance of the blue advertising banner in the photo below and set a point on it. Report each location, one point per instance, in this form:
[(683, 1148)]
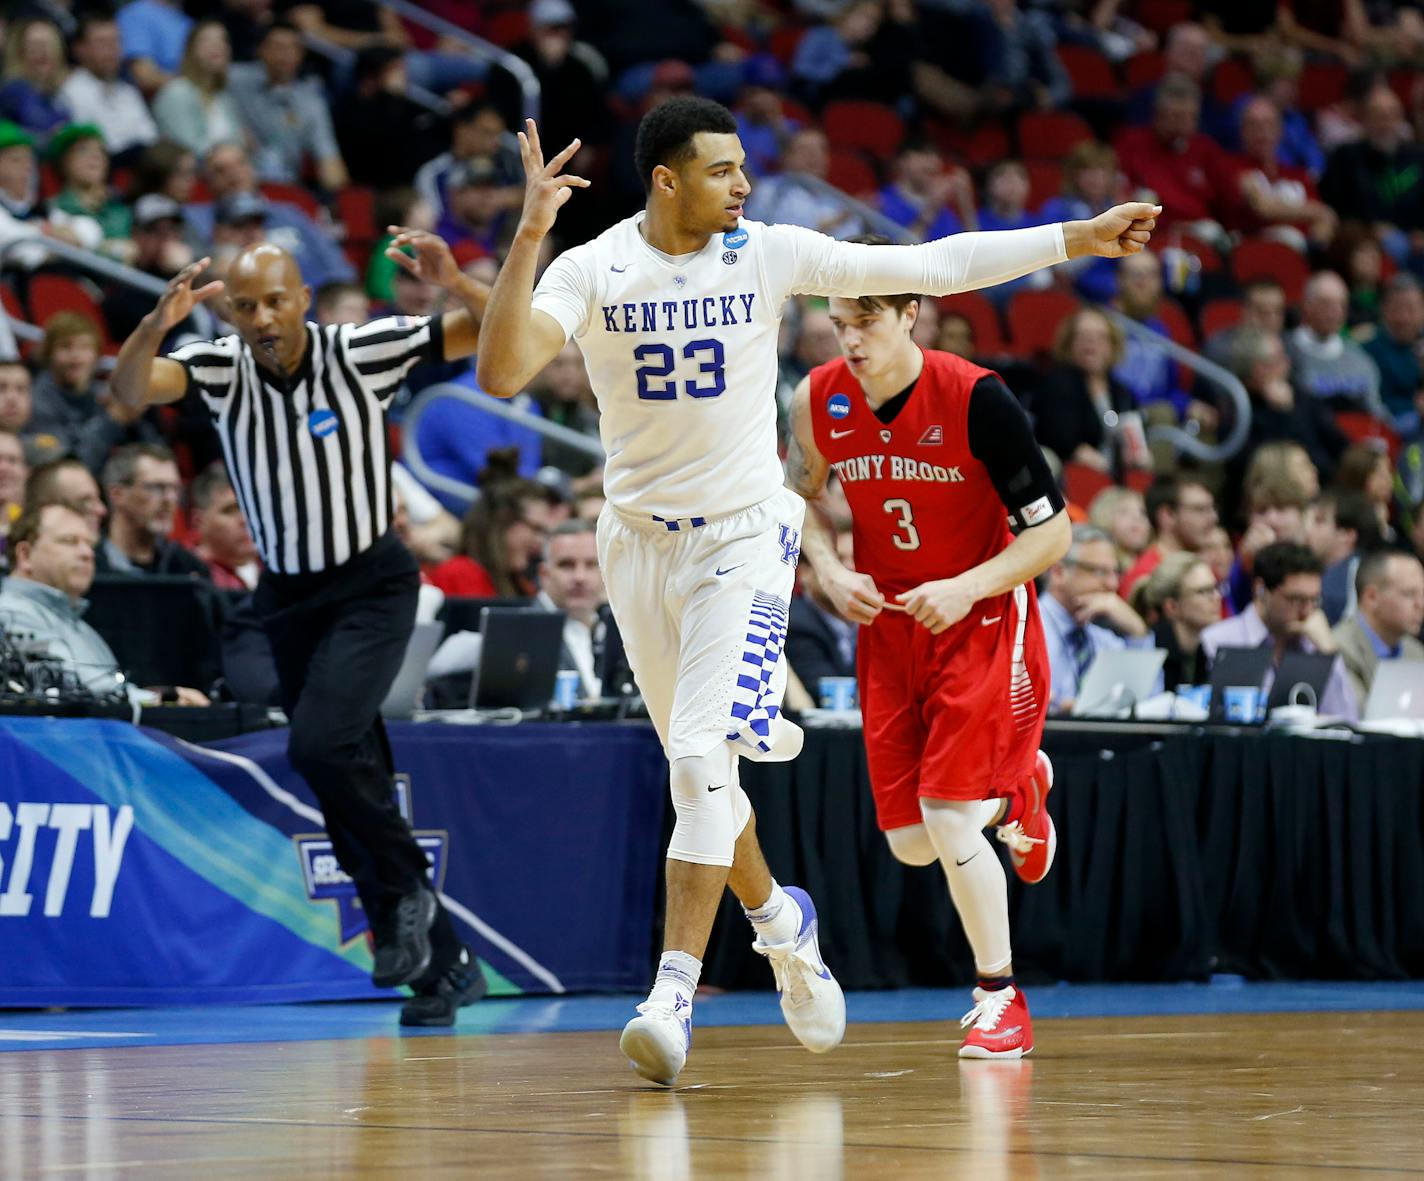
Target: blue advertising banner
[(140, 869)]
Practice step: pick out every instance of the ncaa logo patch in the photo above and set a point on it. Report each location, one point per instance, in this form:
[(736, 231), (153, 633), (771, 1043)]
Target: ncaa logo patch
[(838, 405), (322, 423), (729, 257), (735, 239)]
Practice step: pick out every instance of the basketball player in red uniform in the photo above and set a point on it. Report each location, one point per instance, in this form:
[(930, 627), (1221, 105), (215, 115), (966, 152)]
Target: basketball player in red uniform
[(955, 512)]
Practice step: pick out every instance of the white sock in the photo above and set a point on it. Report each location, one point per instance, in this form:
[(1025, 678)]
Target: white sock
[(678, 974), (778, 919), (976, 878)]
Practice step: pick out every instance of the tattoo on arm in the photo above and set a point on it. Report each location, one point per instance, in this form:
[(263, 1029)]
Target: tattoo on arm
[(799, 476)]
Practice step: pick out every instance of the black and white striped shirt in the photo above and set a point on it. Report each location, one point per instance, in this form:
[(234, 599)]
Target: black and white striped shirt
[(309, 455)]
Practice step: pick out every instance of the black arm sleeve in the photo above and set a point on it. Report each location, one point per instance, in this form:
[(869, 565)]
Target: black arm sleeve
[(1001, 438)]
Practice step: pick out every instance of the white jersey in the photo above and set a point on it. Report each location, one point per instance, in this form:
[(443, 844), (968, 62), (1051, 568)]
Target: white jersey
[(682, 352)]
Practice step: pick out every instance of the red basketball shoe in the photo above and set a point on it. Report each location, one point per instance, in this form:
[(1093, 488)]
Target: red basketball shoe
[(999, 1025), (1032, 839)]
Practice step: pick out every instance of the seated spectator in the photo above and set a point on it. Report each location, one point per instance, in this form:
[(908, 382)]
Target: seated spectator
[(1283, 459), (1121, 514), (1081, 410), (285, 115), (167, 169), (81, 163), (42, 603), (1083, 615), (94, 92), (143, 487), (501, 539), (1187, 53), (1340, 528), (1284, 614), (17, 404), (1368, 470), (819, 643), (382, 132), (13, 473), (229, 172), (1183, 515), (160, 250), (1379, 180), (196, 109), (1146, 370), (1385, 625), (477, 132), (570, 581), (475, 210), (1221, 557), (815, 343), (1018, 51), (1092, 182), (565, 397), (1327, 365), (67, 481), (956, 335), (1278, 410), (1263, 196), (1175, 162), (73, 413), (785, 200), (1277, 72), (155, 36), (1275, 512), (1185, 599), (1263, 309), (341, 303), (762, 124), (832, 58), (928, 199), (1397, 349), (402, 206), (20, 213), (35, 66), (224, 542)]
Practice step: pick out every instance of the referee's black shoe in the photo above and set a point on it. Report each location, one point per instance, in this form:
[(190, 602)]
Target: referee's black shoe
[(462, 983), (403, 950)]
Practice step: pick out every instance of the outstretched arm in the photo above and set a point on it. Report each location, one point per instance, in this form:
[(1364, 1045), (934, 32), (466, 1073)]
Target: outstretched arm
[(520, 341), (141, 377)]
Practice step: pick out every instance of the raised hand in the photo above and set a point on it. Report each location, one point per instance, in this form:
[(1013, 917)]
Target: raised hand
[(1116, 232), (431, 261), (546, 188), (177, 303)]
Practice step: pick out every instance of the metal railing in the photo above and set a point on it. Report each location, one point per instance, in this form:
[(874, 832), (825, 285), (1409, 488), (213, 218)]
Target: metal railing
[(346, 58), (873, 220), (488, 404), (477, 46), (1183, 440)]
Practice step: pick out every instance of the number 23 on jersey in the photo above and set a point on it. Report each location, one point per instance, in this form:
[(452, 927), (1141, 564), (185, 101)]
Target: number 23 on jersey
[(656, 382)]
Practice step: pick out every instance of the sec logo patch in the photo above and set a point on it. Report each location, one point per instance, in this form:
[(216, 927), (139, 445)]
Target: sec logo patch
[(838, 405)]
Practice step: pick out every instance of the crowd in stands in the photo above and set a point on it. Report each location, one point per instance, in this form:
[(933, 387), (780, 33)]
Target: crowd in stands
[(1285, 142)]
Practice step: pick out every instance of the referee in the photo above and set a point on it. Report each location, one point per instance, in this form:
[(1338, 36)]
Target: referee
[(300, 412)]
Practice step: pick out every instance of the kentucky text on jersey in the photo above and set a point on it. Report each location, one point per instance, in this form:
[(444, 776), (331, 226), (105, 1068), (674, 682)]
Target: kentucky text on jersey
[(873, 467), (710, 311)]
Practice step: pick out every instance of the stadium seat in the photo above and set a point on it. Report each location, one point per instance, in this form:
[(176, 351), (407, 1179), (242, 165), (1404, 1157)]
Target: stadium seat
[(356, 210), (1161, 16), (1219, 315), (50, 294), (988, 145), (15, 310), (1207, 254), (783, 42), (1045, 180), (1359, 427), (1322, 83), (1179, 325), (864, 126), (1090, 72), (983, 318), (292, 195), (1144, 69), (851, 174), (1082, 483), (797, 112), (1256, 257), (1231, 79), (1034, 317), (1051, 135)]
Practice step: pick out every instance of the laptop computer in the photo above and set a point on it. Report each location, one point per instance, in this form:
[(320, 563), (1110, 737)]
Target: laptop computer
[(1118, 680), (1301, 680), (519, 658), (1233, 667), (1397, 691), (405, 690)]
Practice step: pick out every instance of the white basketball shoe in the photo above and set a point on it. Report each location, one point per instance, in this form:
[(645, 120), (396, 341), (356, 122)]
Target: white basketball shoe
[(657, 1040), (811, 1000)]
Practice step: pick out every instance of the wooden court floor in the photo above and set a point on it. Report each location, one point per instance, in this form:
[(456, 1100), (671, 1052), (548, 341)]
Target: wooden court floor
[(1272, 1096)]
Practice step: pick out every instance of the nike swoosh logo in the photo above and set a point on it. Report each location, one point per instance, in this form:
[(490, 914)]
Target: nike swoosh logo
[(719, 787), (842, 434), (968, 859), (987, 622), (998, 1037), (620, 270), (729, 569)]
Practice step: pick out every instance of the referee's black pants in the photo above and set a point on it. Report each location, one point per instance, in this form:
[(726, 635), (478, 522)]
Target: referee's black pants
[(338, 638)]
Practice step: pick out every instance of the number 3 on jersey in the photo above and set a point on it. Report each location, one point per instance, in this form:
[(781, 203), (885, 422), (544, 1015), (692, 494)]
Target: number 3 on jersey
[(911, 538), (655, 382)]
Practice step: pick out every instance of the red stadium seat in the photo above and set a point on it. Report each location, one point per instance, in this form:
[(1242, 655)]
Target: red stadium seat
[(1256, 257), (1090, 72), (1161, 16), (1034, 317), (1231, 79), (1082, 483), (797, 112), (1045, 180), (1144, 69), (51, 294), (864, 126), (356, 210), (1322, 83), (1207, 254), (1359, 427), (1051, 135), (15, 310), (1219, 315), (851, 174), (784, 41), (1179, 326), (292, 195), (988, 145), (983, 319)]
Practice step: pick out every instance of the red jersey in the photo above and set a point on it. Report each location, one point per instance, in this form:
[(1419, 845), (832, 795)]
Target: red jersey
[(924, 507)]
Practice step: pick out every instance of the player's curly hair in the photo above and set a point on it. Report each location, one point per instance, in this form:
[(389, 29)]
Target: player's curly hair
[(665, 133)]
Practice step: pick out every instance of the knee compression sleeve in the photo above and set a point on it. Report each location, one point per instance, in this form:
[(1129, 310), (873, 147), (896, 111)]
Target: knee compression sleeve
[(911, 845), (976, 877), (710, 805)]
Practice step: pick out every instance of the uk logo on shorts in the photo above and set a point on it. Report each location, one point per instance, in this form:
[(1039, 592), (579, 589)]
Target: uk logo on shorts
[(322, 423), (790, 545), (838, 405)]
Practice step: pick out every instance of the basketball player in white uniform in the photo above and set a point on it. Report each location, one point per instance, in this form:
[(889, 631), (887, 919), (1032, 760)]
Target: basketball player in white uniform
[(677, 311)]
